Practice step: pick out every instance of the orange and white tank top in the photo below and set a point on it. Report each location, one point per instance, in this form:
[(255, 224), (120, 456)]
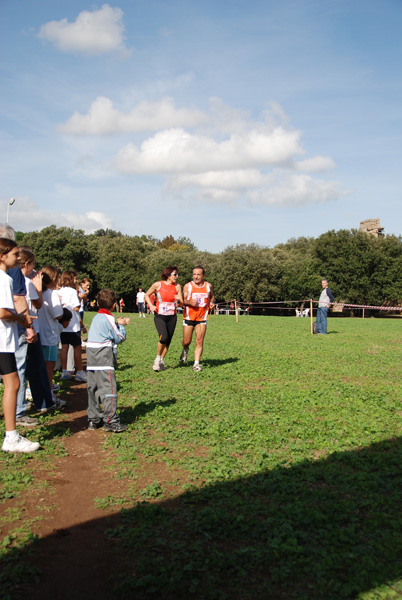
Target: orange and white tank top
[(165, 302), (201, 295)]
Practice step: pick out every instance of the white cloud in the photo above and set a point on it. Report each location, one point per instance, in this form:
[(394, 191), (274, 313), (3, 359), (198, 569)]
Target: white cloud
[(278, 188), (227, 180), (26, 215), (218, 156), (315, 164), (92, 33), (103, 119), (177, 151), (297, 190)]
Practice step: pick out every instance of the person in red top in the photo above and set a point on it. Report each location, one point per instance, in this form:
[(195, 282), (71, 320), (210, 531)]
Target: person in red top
[(168, 294), (198, 300)]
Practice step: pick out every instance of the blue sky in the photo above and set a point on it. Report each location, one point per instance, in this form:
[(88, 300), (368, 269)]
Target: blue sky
[(226, 122)]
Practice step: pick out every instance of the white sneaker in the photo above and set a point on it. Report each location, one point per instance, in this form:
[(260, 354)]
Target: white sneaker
[(66, 375), (20, 444), (81, 376), (197, 368), (157, 364)]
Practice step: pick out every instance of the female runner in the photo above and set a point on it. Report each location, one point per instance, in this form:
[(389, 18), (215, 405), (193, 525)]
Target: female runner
[(168, 294)]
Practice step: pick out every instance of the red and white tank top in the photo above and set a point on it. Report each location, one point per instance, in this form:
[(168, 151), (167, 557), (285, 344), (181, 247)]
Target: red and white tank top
[(165, 302), (201, 295)]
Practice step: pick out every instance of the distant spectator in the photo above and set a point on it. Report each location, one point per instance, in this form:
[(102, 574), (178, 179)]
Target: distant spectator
[(140, 301)]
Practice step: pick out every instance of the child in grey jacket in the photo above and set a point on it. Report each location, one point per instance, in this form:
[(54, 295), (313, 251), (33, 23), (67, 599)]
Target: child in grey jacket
[(103, 334)]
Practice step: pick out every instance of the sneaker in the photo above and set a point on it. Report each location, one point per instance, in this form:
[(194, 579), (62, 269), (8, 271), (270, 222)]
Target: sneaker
[(94, 425), (57, 403), (55, 387), (21, 444), (46, 409), (162, 366), (66, 375), (60, 403), (81, 376), (26, 421), (197, 368), (157, 364), (116, 427), (183, 356)]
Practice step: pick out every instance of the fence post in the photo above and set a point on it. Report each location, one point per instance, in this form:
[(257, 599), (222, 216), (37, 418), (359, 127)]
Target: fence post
[(311, 316), (237, 316)]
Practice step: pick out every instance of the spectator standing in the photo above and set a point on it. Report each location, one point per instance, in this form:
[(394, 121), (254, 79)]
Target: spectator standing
[(140, 301), (325, 300), (13, 442)]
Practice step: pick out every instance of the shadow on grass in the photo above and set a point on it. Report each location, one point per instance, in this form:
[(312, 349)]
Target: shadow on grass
[(129, 414), (323, 530), (219, 362)]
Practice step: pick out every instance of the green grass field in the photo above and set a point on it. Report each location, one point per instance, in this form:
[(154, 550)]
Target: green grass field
[(273, 473)]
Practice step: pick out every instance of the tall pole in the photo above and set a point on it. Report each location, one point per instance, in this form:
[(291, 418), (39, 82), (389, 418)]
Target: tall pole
[(10, 203), (311, 316)]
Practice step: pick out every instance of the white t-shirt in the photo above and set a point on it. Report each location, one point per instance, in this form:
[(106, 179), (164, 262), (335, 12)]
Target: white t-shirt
[(32, 294), (69, 299), (8, 329), (141, 297), (47, 317)]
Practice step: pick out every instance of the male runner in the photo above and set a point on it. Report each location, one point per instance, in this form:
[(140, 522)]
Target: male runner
[(198, 300)]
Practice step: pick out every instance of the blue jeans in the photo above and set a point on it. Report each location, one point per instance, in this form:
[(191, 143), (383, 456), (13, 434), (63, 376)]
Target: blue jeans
[(21, 360), (31, 364), (37, 376), (322, 319)]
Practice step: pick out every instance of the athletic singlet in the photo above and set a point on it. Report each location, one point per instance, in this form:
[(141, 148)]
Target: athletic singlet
[(165, 302), (201, 294)]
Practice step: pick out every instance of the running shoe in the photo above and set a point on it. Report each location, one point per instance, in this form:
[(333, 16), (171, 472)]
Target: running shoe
[(57, 403), (66, 375), (115, 427), (81, 376), (55, 387), (26, 421), (197, 368), (94, 425), (183, 356), (20, 444), (162, 365), (157, 364)]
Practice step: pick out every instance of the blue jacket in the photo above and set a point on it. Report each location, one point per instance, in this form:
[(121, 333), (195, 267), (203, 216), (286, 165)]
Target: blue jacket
[(103, 334)]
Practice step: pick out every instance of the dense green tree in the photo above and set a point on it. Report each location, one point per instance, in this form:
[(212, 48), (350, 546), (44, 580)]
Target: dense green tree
[(63, 247), (246, 273), (361, 268)]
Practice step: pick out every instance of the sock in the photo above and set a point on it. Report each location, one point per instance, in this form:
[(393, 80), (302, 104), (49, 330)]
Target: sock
[(12, 436), (196, 362)]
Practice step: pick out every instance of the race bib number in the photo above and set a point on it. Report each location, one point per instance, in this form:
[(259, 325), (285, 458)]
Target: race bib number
[(201, 299), (167, 308)]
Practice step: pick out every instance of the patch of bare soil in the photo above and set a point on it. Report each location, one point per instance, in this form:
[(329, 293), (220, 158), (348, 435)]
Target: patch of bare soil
[(76, 559)]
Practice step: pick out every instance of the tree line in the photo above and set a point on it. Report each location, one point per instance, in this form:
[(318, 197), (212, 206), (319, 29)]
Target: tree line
[(361, 268)]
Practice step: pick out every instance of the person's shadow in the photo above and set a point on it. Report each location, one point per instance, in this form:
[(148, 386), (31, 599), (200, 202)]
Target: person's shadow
[(329, 529)]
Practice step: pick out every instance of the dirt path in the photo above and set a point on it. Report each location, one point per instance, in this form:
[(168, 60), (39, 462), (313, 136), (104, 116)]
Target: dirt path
[(77, 560)]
